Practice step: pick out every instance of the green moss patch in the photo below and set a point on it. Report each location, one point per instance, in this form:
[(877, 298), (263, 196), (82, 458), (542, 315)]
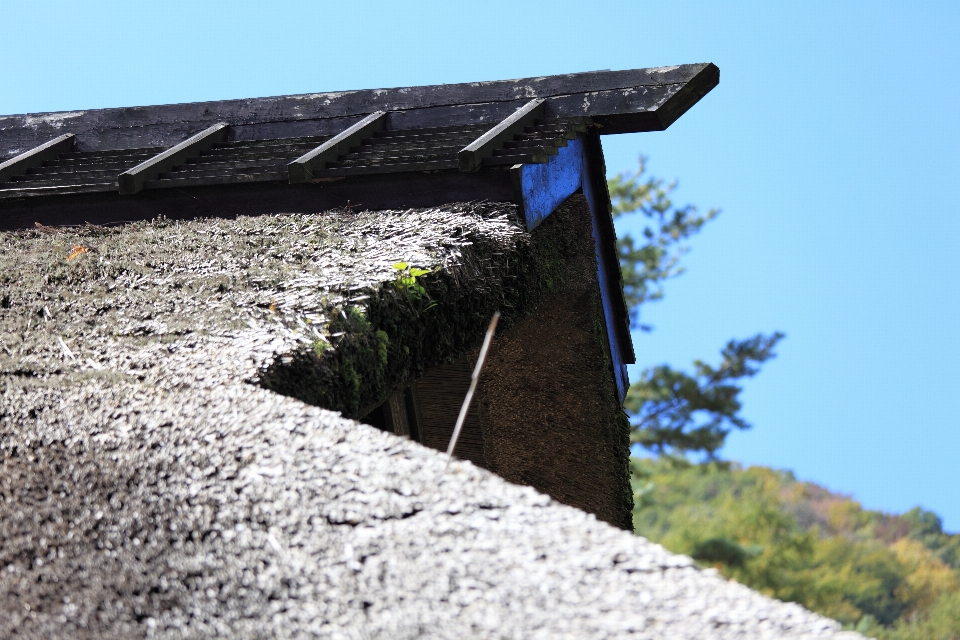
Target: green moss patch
[(444, 316)]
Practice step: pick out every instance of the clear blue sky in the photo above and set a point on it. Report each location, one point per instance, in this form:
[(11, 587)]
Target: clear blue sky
[(832, 144)]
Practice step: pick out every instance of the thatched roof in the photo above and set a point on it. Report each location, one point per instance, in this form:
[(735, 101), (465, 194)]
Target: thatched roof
[(151, 486), (131, 510), (164, 300)]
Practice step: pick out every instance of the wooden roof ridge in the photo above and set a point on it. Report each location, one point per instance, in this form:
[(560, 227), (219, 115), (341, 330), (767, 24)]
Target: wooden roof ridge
[(618, 101)]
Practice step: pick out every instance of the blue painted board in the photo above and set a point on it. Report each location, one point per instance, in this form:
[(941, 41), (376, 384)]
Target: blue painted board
[(544, 187)]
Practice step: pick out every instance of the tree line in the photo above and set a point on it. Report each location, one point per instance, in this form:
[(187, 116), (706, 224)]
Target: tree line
[(895, 577)]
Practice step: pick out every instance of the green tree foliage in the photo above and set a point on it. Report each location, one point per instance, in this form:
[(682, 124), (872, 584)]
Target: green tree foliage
[(887, 576), (940, 622), (674, 411), (798, 542)]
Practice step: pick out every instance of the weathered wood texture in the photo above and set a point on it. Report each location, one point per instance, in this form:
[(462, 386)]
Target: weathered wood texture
[(132, 180), (361, 192), (302, 169), (18, 165), (398, 413), (471, 156), (619, 101), (598, 197)]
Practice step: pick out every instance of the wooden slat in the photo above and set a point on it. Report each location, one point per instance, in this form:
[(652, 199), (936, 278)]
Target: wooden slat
[(133, 180), (209, 181), (631, 100), (471, 156), (598, 191), (7, 193), (397, 167), (35, 157), (20, 209), (414, 416), (302, 169), (395, 410)]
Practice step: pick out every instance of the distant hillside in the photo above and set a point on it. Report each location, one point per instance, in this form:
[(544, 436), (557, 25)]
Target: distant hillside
[(895, 577)]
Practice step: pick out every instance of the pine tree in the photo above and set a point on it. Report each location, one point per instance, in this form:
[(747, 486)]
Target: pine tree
[(673, 411)]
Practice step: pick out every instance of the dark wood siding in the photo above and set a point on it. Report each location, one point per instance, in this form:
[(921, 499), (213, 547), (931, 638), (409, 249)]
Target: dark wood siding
[(441, 392)]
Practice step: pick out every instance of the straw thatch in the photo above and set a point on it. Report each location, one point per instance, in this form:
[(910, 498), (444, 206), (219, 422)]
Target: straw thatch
[(151, 487)]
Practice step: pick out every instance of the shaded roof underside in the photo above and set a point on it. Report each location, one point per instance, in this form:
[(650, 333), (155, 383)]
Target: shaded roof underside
[(424, 129), (248, 161)]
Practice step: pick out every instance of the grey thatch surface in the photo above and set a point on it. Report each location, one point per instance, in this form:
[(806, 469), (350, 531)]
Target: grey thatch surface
[(209, 302), (147, 488)]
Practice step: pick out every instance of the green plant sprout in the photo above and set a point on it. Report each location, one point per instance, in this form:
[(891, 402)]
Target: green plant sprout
[(407, 278)]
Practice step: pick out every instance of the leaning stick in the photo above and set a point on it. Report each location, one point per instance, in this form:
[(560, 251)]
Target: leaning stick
[(473, 385)]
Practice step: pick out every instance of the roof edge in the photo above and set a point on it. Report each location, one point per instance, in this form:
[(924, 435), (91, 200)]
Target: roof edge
[(630, 98)]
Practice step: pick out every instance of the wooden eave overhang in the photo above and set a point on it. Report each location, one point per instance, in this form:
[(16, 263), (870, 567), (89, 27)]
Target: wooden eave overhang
[(532, 141), (419, 129)]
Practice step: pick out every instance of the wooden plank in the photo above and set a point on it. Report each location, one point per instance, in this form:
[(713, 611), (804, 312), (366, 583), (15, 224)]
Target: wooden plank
[(598, 195), (302, 169), (414, 415), (209, 181), (538, 157), (395, 410), (471, 156), (638, 109), (437, 105), (18, 193), (544, 187), (132, 180), (396, 167), (53, 206), (18, 165)]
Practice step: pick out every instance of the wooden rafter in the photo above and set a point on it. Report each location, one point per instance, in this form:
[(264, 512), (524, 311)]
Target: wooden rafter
[(471, 157), (618, 101), (303, 168), (18, 165), (132, 180)]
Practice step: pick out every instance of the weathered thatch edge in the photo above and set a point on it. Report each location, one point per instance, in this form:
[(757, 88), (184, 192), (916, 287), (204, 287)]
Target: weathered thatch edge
[(210, 302), (131, 511), (145, 490), (398, 332)]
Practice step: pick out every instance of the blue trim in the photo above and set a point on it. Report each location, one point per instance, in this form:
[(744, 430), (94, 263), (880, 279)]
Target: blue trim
[(606, 297), (545, 186)]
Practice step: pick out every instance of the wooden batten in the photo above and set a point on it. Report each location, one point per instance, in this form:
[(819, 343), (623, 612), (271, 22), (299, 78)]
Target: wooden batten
[(398, 414), (19, 165), (395, 410), (471, 157), (303, 168), (132, 181)]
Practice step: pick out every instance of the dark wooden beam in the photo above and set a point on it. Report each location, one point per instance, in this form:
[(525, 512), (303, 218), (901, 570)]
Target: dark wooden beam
[(132, 180), (598, 192), (471, 156), (395, 412), (388, 191), (302, 169), (18, 165), (629, 111), (620, 100)]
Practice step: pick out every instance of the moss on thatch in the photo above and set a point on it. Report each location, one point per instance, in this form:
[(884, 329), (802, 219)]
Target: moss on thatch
[(312, 306), (418, 328)]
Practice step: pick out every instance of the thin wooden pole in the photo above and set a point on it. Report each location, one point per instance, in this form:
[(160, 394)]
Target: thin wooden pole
[(473, 384)]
